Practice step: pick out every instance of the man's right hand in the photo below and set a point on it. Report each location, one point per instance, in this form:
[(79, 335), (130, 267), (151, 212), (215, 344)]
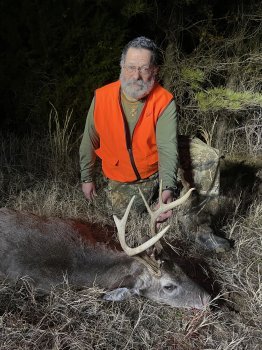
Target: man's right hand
[(89, 190)]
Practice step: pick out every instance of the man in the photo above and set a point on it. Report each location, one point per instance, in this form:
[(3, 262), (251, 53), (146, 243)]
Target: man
[(132, 126)]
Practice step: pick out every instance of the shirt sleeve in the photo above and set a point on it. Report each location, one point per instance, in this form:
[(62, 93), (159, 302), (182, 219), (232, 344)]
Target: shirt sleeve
[(166, 136), (89, 143)]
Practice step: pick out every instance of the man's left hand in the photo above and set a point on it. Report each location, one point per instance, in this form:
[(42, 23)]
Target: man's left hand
[(167, 197)]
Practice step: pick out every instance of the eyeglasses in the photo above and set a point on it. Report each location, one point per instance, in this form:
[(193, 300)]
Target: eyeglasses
[(141, 70)]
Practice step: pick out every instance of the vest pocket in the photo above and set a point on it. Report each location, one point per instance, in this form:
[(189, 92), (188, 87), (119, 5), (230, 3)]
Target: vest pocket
[(152, 164), (152, 159), (106, 158)]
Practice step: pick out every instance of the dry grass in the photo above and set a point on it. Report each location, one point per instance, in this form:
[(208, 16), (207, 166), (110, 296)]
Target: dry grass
[(78, 319)]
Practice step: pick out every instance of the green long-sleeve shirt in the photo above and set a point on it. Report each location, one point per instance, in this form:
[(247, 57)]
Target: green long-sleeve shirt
[(166, 137)]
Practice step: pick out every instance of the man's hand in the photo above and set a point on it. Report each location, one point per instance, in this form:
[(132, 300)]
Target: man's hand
[(89, 190), (167, 197)]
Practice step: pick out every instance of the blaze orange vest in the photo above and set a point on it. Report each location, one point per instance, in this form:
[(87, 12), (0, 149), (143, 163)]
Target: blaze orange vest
[(128, 158)]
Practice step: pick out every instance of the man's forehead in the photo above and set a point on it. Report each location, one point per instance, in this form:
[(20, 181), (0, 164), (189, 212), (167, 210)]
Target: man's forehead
[(138, 55)]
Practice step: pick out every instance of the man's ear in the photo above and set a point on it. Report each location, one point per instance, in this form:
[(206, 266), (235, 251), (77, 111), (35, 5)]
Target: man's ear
[(120, 294)]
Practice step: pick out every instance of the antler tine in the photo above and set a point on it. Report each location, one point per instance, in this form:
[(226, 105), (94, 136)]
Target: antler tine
[(146, 204), (163, 207), (151, 212), (121, 224)]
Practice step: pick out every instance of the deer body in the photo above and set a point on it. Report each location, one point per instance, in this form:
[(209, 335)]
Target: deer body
[(48, 250)]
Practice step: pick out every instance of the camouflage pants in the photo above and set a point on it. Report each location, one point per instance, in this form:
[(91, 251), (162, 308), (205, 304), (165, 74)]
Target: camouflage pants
[(198, 167), (120, 193)]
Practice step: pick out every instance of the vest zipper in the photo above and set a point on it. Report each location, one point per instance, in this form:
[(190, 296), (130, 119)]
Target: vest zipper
[(137, 174), (131, 156), (128, 141)]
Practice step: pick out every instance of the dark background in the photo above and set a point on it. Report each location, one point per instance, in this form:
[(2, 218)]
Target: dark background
[(59, 51)]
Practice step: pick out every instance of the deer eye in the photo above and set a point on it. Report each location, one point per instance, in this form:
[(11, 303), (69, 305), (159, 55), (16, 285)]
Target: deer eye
[(170, 287)]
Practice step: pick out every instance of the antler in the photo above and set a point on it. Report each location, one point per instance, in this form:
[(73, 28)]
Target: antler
[(163, 207), (121, 223)]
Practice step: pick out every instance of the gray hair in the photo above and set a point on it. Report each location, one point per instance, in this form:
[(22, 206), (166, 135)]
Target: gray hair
[(142, 42)]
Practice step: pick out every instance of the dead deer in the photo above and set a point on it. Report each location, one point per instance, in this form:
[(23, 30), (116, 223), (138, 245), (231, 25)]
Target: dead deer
[(49, 249)]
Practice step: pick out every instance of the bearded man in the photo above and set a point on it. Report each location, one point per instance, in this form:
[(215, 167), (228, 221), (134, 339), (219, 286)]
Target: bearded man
[(132, 126)]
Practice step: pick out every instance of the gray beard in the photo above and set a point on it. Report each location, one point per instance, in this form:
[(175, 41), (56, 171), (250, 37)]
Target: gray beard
[(140, 90)]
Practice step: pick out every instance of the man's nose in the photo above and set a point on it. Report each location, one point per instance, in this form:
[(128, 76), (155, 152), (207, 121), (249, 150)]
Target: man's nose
[(137, 73)]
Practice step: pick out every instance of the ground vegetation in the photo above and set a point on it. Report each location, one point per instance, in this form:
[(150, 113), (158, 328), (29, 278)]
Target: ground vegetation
[(211, 61)]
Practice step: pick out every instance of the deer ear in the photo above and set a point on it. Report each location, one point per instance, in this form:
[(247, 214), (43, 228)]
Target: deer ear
[(120, 294)]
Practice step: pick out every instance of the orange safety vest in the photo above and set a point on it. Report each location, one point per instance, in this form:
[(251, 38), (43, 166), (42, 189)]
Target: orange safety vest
[(128, 158)]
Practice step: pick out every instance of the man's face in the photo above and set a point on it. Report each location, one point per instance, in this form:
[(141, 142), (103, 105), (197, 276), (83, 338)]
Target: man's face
[(137, 73)]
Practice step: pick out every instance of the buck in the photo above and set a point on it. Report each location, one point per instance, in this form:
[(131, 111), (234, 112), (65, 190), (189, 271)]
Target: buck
[(48, 249)]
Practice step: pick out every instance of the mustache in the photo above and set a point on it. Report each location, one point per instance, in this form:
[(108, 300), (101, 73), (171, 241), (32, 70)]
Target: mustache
[(139, 82)]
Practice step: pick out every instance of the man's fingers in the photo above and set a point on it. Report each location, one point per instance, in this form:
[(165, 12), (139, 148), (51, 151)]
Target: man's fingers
[(93, 195), (162, 217), (89, 190)]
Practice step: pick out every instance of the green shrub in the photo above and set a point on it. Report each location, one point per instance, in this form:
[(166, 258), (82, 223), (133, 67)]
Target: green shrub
[(223, 98)]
